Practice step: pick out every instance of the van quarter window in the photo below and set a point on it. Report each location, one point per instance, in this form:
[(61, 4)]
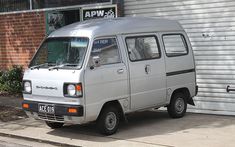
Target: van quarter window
[(142, 48), (107, 51), (175, 45)]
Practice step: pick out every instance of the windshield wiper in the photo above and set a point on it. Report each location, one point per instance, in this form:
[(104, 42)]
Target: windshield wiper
[(62, 65), (38, 66), (41, 65)]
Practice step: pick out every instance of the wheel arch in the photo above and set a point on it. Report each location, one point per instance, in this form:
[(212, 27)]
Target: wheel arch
[(186, 92), (114, 103)]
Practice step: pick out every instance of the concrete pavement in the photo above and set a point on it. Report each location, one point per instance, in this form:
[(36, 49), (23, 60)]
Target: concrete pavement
[(143, 129), (13, 142)]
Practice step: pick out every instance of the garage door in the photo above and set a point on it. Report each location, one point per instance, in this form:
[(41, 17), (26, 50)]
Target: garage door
[(211, 28)]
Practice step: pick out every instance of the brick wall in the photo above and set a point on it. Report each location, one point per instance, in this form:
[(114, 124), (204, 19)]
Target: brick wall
[(20, 36)]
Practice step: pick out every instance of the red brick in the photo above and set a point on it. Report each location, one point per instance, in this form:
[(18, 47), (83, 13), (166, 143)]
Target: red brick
[(20, 36)]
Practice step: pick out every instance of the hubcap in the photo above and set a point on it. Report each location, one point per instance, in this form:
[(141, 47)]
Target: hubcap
[(179, 105), (110, 121)]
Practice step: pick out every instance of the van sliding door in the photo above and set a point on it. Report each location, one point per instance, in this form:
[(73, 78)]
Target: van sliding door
[(147, 71)]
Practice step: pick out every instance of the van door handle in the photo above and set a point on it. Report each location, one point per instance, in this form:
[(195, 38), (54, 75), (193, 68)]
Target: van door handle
[(147, 69), (120, 71)]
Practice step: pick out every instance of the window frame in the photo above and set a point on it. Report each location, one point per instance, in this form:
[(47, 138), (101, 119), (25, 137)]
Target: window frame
[(62, 8), (118, 48), (71, 5), (184, 42), (142, 36), (27, 8)]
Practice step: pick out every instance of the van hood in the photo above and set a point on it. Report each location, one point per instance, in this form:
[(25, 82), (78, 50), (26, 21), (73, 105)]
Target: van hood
[(47, 83)]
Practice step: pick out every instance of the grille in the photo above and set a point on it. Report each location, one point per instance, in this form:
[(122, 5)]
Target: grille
[(51, 117)]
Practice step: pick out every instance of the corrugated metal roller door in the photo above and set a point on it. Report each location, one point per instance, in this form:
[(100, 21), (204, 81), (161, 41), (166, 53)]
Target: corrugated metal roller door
[(211, 28)]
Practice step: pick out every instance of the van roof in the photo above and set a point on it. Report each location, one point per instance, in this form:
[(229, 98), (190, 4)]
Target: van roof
[(114, 26)]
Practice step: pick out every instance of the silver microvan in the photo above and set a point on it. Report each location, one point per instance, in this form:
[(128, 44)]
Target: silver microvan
[(101, 70)]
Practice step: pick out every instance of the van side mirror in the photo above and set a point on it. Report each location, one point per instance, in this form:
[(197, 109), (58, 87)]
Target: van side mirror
[(95, 62)]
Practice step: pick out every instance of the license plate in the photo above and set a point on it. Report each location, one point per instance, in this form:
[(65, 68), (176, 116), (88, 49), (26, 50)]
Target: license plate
[(46, 108)]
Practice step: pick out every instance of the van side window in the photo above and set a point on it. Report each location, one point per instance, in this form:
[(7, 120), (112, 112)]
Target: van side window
[(142, 48), (175, 45), (107, 51)]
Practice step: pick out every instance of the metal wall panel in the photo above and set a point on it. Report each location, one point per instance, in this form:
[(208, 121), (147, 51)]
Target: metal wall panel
[(210, 26)]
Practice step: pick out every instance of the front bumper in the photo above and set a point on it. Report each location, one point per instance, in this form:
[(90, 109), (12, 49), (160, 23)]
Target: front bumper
[(61, 112)]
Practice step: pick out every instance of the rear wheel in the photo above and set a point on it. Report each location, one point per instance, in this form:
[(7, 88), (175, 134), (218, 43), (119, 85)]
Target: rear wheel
[(178, 106), (108, 121), (54, 125)]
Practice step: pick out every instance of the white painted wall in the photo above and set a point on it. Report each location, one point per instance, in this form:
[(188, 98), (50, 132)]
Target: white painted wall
[(210, 25)]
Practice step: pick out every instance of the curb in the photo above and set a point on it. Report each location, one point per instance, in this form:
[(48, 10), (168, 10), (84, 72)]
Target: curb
[(37, 140)]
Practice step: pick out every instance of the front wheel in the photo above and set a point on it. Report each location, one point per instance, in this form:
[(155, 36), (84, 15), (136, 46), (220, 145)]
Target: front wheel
[(54, 125), (178, 106), (108, 121)]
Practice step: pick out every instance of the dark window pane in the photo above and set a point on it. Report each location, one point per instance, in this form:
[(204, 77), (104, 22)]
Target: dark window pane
[(37, 4), (14, 5)]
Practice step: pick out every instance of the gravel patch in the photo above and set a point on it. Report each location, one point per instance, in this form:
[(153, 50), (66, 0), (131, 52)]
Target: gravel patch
[(8, 113)]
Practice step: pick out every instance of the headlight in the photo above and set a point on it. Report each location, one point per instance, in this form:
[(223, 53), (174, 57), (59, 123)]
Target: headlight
[(72, 90), (27, 87)]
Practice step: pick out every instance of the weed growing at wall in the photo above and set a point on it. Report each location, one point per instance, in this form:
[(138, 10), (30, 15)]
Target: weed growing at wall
[(11, 80)]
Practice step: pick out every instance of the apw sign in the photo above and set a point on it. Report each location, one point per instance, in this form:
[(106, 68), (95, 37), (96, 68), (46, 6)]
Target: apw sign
[(100, 12)]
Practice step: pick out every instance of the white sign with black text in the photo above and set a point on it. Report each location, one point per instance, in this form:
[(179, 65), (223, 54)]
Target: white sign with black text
[(99, 12)]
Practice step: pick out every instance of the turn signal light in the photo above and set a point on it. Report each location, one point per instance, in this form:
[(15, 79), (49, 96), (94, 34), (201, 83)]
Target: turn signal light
[(72, 110), (26, 106), (79, 87)]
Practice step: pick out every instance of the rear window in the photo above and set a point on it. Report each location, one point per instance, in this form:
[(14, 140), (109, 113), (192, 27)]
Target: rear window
[(175, 45)]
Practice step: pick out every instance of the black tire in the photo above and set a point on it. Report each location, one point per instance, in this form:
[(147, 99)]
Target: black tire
[(108, 121), (178, 106), (54, 125)]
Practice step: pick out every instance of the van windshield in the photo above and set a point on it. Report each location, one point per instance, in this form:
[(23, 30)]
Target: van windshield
[(60, 53)]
